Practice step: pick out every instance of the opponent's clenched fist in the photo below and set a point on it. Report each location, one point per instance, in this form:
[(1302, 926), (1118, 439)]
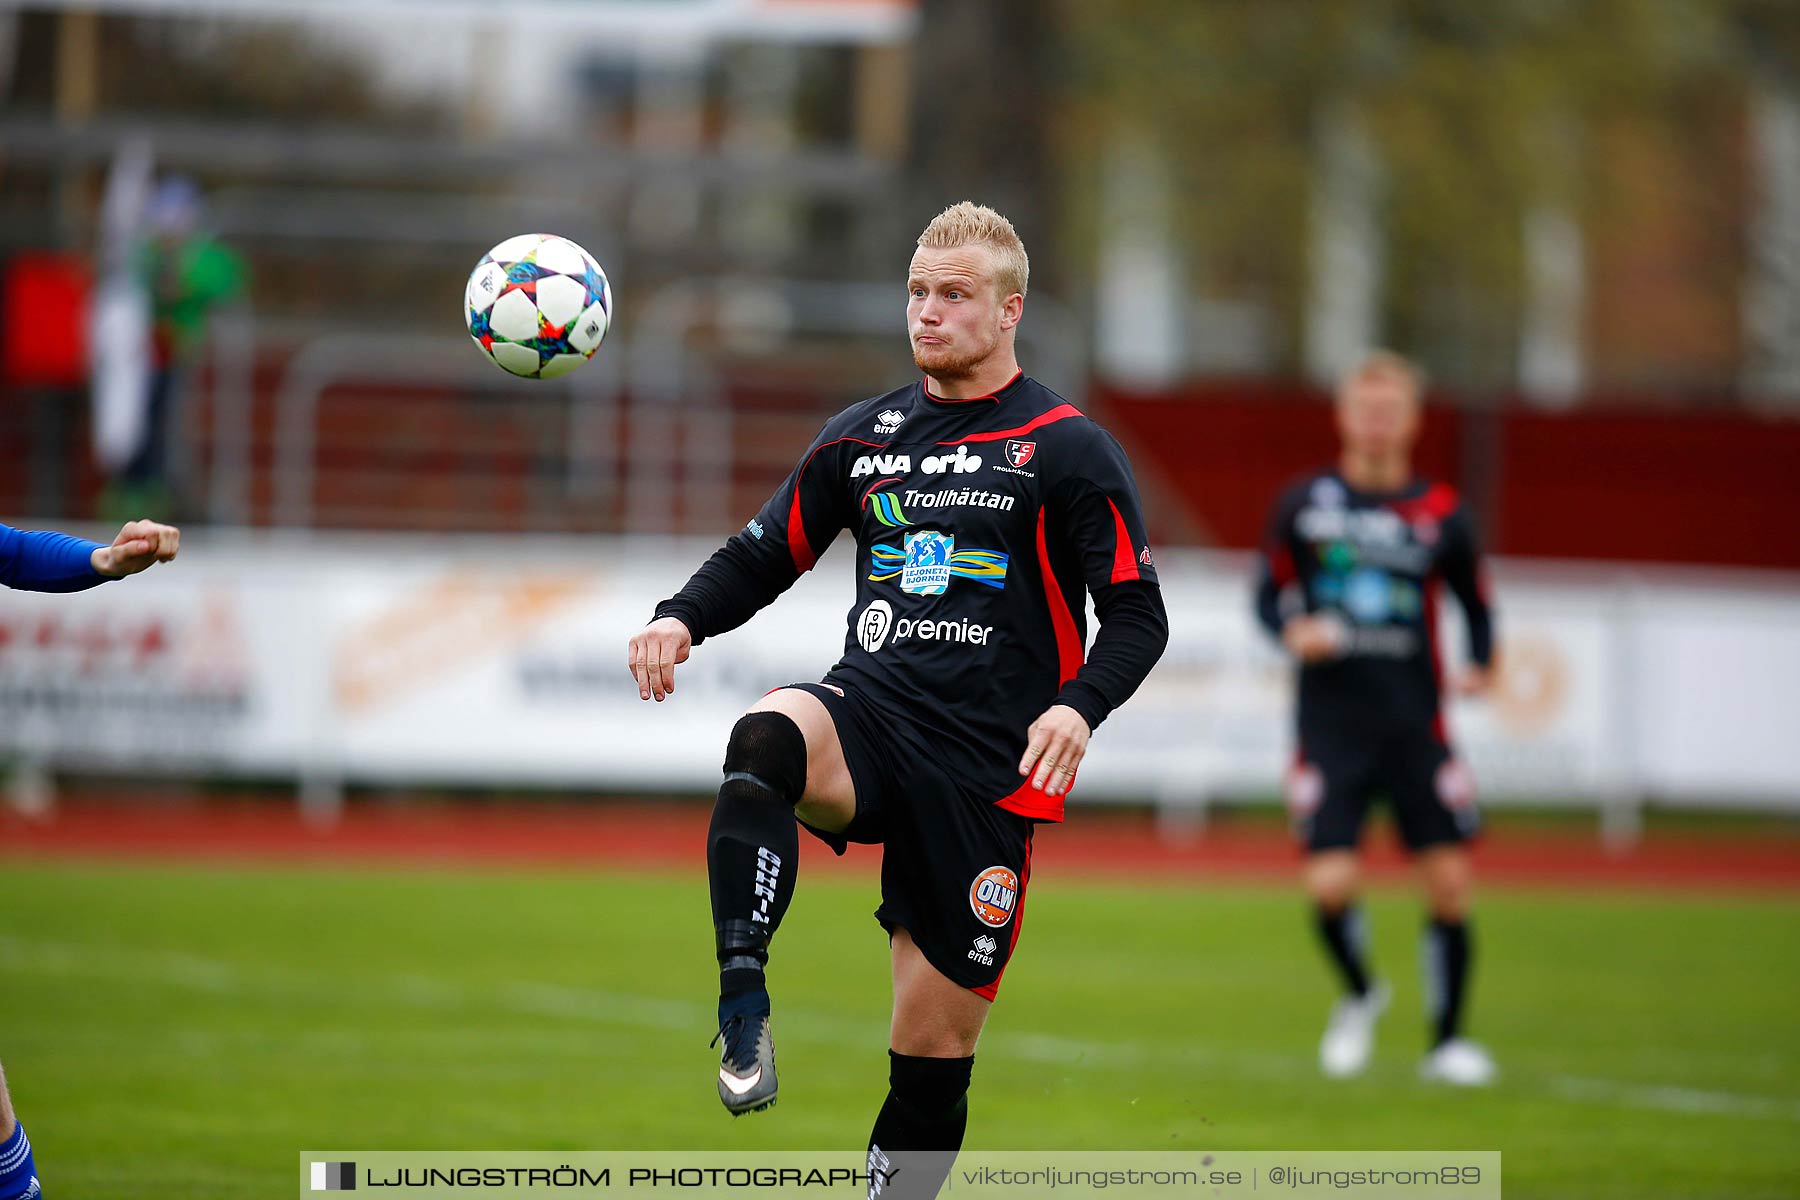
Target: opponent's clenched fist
[(140, 545)]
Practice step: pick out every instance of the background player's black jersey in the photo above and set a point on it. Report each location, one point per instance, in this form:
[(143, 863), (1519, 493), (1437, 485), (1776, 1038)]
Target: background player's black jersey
[(978, 524), (1375, 561)]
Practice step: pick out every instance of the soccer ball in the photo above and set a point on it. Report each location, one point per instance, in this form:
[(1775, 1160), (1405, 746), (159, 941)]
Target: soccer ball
[(538, 305)]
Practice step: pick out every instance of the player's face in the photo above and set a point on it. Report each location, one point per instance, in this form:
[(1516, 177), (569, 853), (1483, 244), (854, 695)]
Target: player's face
[(955, 315), (1378, 415)]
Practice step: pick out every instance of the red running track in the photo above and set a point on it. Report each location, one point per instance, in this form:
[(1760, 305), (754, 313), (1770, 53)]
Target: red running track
[(640, 834)]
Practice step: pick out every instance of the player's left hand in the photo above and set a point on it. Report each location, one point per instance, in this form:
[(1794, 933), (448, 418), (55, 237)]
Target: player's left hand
[(1059, 741), (1474, 680), (139, 546)]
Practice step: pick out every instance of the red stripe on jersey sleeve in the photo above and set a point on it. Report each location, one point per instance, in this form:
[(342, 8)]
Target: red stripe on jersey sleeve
[(799, 547), (1028, 801), (1281, 565), (1068, 644), (1437, 661), (1124, 562), (1061, 412)]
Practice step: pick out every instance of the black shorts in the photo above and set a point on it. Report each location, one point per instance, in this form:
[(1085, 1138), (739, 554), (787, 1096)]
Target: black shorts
[(954, 866), (1340, 771)]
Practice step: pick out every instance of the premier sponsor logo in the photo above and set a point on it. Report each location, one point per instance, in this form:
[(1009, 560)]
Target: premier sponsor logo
[(927, 630), (959, 463), (1382, 641), (876, 626)]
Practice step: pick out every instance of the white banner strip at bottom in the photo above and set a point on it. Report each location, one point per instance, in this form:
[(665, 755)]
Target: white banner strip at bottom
[(969, 1175)]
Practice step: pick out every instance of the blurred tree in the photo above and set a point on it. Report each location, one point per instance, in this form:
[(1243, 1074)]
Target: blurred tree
[(1481, 116), (1768, 39), (981, 118)]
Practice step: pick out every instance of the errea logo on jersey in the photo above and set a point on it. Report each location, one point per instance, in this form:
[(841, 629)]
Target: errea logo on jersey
[(959, 463), (888, 420)]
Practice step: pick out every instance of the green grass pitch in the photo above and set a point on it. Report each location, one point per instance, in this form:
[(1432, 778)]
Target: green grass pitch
[(186, 1031)]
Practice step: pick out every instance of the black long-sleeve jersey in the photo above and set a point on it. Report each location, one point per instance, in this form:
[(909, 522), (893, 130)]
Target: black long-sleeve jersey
[(978, 524), (1375, 561)]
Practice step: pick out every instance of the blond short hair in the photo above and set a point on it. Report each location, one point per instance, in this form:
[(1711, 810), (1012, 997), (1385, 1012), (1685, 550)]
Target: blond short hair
[(1386, 364), (968, 224)]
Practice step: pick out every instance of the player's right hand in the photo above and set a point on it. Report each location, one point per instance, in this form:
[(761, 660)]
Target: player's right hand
[(1313, 638), (653, 653)]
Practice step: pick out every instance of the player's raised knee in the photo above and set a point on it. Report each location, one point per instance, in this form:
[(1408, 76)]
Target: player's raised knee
[(768, 750)]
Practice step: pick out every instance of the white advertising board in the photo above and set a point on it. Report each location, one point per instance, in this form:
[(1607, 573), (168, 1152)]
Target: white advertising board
[(501, 662)]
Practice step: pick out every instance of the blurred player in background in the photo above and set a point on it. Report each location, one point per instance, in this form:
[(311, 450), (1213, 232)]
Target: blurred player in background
[(185, 274), (1351, 567), (983, 506), (57, 562)]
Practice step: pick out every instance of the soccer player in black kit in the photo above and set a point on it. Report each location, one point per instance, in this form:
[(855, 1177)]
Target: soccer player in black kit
[(1351, 569), (983, 506)]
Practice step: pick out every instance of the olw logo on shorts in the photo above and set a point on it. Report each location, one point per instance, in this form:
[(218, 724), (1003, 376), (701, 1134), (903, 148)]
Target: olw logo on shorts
[(994, 895)]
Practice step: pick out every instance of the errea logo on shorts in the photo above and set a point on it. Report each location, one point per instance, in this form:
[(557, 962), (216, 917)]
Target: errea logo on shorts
[(994, 895), (983, 951)]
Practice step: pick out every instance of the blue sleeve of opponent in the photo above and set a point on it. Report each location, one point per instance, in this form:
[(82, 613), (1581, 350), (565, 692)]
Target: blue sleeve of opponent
[(47, 562)]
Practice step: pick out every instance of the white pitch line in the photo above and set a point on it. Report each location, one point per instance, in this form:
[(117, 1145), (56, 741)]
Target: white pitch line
[(213, 977), (1674, 1098)]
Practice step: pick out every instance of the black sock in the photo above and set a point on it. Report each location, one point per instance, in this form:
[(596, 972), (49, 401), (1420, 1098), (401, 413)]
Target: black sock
[(1346, 938), (753, 846), (1447, 953), (920, 1126)]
